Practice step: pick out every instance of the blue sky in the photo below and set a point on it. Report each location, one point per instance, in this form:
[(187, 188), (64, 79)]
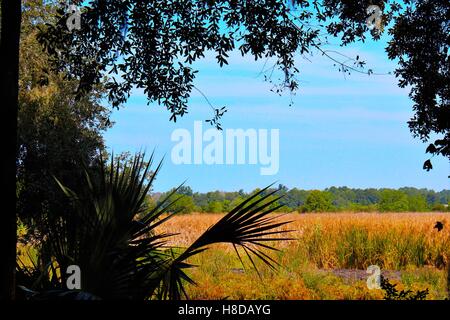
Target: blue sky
[(341, 131)]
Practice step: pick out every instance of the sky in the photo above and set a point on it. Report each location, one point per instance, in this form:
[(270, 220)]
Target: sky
[(342, 130)]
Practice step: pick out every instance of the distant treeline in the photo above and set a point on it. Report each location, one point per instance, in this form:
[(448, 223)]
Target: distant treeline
[(332, 199)]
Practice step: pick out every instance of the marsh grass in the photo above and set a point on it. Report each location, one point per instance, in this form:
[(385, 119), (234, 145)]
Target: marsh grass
[(406, 242)]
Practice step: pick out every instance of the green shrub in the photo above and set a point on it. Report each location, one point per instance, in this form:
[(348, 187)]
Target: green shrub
[(318, 201), (393, 201)]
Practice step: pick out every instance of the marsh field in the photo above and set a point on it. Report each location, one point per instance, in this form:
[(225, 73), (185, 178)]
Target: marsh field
[(328, 258)]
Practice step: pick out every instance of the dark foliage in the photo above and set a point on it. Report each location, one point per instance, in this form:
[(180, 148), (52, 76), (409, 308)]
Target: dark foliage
[(56, 132), (439, 226), (392, 293), (112, 236), (420, 41), (152, 44)]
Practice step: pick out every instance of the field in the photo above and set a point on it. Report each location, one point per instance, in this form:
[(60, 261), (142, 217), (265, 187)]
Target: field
[(328, 258)]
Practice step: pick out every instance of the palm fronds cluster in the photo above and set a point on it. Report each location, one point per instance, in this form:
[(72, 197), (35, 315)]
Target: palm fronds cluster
[(112, 235)]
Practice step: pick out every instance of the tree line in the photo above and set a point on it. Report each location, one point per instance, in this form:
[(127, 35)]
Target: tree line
[(332, 199)]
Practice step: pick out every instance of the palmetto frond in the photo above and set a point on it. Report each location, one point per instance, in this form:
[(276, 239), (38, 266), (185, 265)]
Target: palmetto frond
[(113, 238), (247, 226)]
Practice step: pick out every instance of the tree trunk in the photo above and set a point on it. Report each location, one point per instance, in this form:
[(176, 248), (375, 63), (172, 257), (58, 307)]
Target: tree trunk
[(9, 85)]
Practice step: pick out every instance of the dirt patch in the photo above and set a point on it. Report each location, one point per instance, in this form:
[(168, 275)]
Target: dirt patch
[(353, 275)]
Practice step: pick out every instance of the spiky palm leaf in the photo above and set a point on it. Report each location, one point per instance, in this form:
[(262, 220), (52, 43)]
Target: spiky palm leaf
[(112, 237)]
